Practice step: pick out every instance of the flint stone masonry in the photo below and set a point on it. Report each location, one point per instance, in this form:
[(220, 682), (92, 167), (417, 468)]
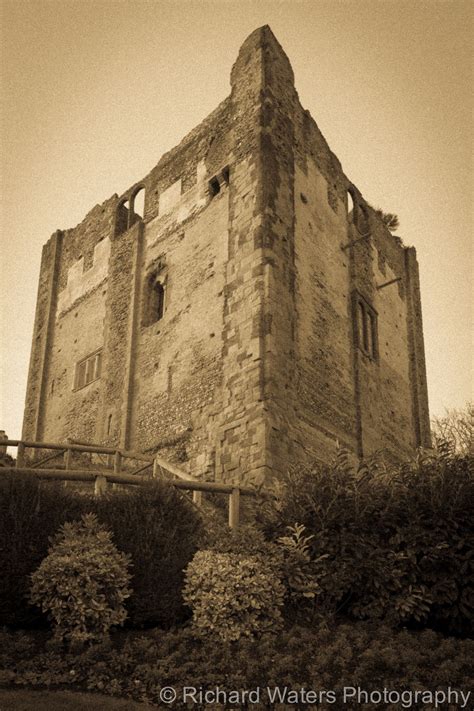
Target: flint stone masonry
[(262, 247)]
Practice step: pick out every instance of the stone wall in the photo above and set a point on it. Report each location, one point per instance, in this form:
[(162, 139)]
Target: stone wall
[(249, 243)]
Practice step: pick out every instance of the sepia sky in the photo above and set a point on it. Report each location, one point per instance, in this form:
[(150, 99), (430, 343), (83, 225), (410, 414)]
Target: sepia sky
[(94, 91)]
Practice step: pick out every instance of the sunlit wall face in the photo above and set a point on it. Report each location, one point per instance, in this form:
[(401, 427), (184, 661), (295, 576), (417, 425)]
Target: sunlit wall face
[(94, 92)]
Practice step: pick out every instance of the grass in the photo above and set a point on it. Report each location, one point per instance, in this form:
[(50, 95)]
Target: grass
[(26, 700)]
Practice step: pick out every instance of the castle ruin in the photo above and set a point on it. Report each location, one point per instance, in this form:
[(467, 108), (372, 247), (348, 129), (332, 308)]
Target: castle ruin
[(256, 311)]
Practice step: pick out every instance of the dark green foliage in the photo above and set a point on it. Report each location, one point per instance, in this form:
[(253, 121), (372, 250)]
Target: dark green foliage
[(155, 524), (361, 654), (160, 528), (399, 543), (30, 513), (385, 544)]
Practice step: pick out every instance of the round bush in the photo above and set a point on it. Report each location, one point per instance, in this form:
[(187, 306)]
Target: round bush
[(232, 595), (83, 582)]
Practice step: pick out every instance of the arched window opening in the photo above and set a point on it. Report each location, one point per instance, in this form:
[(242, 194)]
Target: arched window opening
[(109, 424), (122, 217), (154, 304), (138, 204)]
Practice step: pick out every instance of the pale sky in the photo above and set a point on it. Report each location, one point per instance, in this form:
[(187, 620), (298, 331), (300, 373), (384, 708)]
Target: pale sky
[(95, 91)]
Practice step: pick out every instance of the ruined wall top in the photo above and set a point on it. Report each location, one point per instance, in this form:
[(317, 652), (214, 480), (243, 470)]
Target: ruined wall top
[(262, 40)]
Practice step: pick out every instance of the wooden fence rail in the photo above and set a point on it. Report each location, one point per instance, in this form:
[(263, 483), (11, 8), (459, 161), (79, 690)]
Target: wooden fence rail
[(101, 478)]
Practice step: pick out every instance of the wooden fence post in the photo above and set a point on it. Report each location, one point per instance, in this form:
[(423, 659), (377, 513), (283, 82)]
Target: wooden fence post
[(117, 466), (20, 455), (234, 508), (197, 498), (117, 462), (100, 486), (67, 458)]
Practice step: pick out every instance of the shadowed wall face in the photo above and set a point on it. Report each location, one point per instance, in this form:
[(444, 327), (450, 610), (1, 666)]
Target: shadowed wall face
[(241, 323)]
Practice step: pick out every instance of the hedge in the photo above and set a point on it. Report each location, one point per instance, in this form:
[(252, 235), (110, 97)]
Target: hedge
[(155, 524), (398, 542)]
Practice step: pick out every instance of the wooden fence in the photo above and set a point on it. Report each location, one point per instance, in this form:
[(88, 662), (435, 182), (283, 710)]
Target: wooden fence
[(113, 473)]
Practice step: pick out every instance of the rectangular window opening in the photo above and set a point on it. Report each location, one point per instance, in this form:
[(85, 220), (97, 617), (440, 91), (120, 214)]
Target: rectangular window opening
[(88, 370), (366, 327), (154, 301)]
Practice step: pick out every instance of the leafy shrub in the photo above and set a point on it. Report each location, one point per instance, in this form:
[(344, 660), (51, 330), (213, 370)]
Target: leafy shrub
[(390, 544), (288, 559), (233, 595), (83, 582), (155, 524), (300, 572), (367, 655)]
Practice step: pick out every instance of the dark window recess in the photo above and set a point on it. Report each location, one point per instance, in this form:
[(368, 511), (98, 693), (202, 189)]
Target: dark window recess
[(154, 301), (219, 181), (366, 327), (214, 187), (88, 370)]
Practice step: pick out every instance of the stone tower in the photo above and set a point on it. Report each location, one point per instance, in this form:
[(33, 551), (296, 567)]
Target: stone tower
[(255, 312)]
